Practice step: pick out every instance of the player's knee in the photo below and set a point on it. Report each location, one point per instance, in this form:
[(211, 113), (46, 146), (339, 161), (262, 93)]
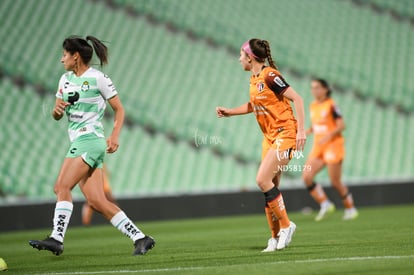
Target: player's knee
[(307, 178), (262, 182), (60, 188), (259, 181), (56, 189)]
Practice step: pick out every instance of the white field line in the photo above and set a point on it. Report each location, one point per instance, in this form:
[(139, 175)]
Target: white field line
[(189, 268)]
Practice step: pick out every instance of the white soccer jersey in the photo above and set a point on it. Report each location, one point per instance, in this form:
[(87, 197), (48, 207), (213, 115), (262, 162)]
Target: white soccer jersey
[(87, 94)]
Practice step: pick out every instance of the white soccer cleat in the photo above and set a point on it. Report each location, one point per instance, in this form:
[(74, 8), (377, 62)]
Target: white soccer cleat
[(350, 214), (271, 245), (326, 208), (285, 236)]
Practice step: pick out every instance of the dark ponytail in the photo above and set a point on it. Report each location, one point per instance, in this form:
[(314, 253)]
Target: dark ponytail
[(325, 85), (100, 49), (78, 44), (261, 49)]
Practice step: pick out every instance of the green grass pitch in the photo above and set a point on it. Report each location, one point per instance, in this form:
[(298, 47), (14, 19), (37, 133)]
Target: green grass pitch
[(380, 241)]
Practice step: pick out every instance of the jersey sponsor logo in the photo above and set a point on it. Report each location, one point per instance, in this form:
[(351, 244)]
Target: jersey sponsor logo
[(85, 86), (112, 87), (319, 128), (260, 87), (73, 97), (279, 82), (75, 116), (259, 110)]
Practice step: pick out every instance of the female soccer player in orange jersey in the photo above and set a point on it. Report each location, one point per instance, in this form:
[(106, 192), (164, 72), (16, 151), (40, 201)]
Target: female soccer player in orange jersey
[(270, 98), (328, 150)]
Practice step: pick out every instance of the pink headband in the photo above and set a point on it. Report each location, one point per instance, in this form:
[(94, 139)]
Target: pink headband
[(247, 49)]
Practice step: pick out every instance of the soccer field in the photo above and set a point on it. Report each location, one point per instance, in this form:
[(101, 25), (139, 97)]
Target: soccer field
[(380, 241)]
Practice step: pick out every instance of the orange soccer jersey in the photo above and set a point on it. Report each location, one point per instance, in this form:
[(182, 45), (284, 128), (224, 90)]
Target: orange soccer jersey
[(323, 118), (273, 111)]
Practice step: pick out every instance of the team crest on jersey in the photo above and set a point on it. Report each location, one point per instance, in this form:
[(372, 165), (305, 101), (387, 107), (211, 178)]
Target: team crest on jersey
[(260, 87), (85, 86)]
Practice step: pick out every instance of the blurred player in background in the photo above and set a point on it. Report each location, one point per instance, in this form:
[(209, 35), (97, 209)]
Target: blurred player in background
[(328, 150), (87, 210), (82, 94), (270, 99)]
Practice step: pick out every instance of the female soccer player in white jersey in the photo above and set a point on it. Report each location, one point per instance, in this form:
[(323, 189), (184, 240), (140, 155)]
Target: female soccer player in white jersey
[(82, 95)]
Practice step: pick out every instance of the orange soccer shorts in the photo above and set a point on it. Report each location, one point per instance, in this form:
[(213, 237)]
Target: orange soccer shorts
[(285, 140), (332, 152)]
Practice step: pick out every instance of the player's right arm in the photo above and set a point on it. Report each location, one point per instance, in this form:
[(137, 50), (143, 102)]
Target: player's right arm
[(59, 109), (241, 110), (60, 105)]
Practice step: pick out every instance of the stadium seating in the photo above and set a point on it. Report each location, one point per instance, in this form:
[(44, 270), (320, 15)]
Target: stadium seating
[(355, 54), (401, 7), (171, 80), (144, 165)]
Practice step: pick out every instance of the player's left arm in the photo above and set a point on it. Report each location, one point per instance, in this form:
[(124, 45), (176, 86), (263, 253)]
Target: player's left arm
[(339, 126), (110, 94), (119, 116), (279, 86), (291, 94)]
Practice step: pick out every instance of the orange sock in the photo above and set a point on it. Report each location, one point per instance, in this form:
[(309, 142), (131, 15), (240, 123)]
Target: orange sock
[(317, 193), (274, 200), (272, 221), (278, 207), (87, 213), (348, 201)]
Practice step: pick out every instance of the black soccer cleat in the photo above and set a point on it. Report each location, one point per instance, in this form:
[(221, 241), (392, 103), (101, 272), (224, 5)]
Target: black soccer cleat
[(143, 245), (50, 244)]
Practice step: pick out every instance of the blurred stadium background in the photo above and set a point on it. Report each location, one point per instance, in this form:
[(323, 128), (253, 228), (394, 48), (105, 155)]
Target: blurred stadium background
[(174, 61)]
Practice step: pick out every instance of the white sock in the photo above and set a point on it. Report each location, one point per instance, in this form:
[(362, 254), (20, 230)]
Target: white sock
[(63, 211), (126, 226), (325, 203), (350, 210)]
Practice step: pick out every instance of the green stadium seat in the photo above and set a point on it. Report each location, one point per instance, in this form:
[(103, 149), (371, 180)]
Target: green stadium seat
[(403, 7), (172, 84)]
